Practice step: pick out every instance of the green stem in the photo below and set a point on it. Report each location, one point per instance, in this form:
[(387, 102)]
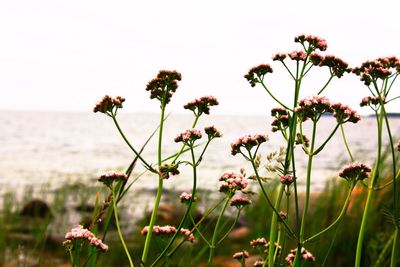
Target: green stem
[(188, 210), (214, 237), (230, 229), (338, 219), (395, 248), (279, 102), (153, 217), (373, 182), (181, 150), (129, 144), (119, 228), (345, 143), (308, 184), (326, 141), (382, 255), (273, 231), (326, 84)]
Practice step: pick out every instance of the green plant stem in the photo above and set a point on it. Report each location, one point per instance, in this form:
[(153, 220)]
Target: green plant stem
[(266, 196), (181, 150), (230, 228), (188, 210), (148, 166), (273, 231), (395, 248), (373, 182), (269, 92), (345, 143), (153, 217), (326, 84), (119, 228), (326, 141), (214, 237), (382, 255), (308, 184), (338, 219)]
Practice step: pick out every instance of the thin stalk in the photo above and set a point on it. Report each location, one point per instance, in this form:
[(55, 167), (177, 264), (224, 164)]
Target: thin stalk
[(373, 182), (214, 237), (188, 210), (119, 228), (181, 150), (148, 166), (279, 102), (345, 143), (326, 141), (338, 219), (308, 183), (230, 228), (274, 223), (395, 248), (153, 217), (382, 255), (326, 84)]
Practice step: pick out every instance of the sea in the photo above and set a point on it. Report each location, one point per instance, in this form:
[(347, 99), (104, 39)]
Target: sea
[(54, 149)]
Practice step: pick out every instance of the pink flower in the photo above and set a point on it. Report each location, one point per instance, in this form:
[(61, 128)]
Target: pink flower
[(212, 132), (287, 179), (279, 57), (259, 242), (256, 74), (185, 197), (188, 234), (189, 136), (297, 55), (314, 42), (201, 105), (355, 171), (248, 142), (305, 255), (164, 85), (344, 113), (239, 202), (372, 100), (109, 178), (241, 255), (232, 182), (81, 233), (109, 104), (160, 230)]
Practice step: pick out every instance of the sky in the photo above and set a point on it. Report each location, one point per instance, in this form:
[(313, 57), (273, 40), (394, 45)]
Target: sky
[(65, 55)]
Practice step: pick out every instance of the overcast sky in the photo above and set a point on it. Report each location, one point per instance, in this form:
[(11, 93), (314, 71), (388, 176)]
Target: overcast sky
[(65, 55)]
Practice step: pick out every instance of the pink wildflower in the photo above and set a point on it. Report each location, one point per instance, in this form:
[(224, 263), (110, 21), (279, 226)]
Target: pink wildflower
[(160, 230), (297, 55), (166, 169), (259, 242), (188, 234), (355, 171), (305, 255), (344, 113), (185, 197), (248, 142), (201, 105), (232, 182), (240, 202), (287, 179), (109, 178), (241, 255), (212, 132), (372, 100), (189, 136), (108, 104), (164, 85), (81, 233), (256, 74), (279, 57)]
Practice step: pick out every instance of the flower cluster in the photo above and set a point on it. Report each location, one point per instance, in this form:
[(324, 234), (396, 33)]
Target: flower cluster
[(108, 104), (302, 139), (248, 142), (189, 136), (166, 230), (344, 113), (168, 169), (279, 57), (240, 202), (372, 100), (355, 171), (314, 42), (188, 234), (305, 255), (336, 65), (241, 255), (298, 55), (258, 263), (287, 179), (212, 132), (232, 182), (281, 120), (258, 243), (109, 178), (81, 233), (256, 74), (164, 85), (201, 105), (380, 68), (186, 197), (283, 215), (313, 107)]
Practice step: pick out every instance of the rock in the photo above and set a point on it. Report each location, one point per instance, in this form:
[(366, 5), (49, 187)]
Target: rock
[(36, 208)]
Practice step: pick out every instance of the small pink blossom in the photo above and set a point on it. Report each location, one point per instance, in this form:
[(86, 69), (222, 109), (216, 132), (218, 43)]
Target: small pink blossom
[(186, 197), (81, 233), (297, 55), (188, 234), (232, 182), (305, 255), (188, 136), (248, 142), (241, 255), (239, 202), (160, 230), (259, 242), (287, 179), (201, 105), (355, 171)]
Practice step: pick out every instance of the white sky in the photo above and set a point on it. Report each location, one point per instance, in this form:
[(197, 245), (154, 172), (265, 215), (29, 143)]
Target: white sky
[(65, 55)]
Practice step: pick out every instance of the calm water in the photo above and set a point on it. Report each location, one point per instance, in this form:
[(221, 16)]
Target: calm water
[(46, 150), (55, 148)]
